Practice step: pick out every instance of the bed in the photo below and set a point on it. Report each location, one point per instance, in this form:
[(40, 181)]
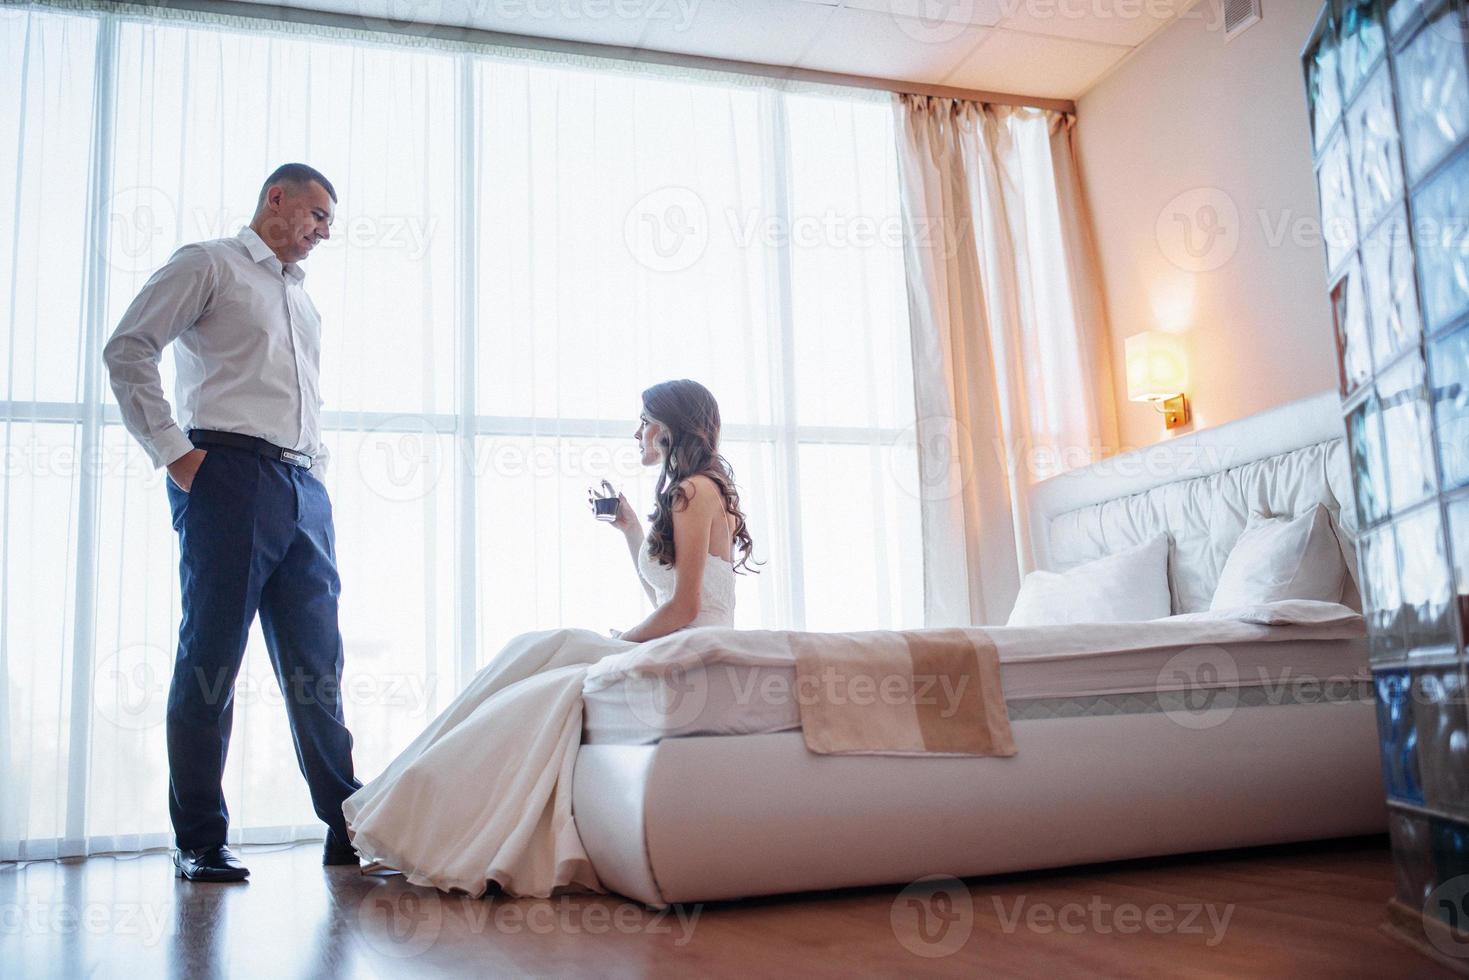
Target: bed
[(717, 797)]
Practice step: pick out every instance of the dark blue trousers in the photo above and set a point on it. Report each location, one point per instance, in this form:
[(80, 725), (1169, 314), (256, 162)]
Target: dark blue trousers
[(255, 534)]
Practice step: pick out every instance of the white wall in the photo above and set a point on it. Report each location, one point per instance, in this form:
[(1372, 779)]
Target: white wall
[(1227, 122)]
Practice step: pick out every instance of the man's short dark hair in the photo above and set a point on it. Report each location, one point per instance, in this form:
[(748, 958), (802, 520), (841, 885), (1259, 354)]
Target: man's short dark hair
[(298, 175)]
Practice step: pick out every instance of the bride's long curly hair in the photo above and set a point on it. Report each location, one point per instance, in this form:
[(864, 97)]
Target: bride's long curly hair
[(689, 417)]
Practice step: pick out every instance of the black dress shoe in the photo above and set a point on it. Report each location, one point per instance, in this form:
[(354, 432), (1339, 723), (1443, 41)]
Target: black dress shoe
[(209, 864), (337, 851)]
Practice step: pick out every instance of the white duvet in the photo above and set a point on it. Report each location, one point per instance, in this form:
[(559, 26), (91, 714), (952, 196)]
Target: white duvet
[(483, 795), (1276, 621)]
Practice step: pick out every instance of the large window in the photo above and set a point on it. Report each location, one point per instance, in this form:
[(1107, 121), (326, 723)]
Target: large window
[(521, 246)]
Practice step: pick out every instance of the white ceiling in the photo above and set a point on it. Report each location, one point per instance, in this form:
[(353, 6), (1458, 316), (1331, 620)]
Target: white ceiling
[(1041, 48)]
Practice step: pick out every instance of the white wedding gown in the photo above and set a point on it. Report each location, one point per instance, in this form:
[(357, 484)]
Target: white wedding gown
[(484, 793)]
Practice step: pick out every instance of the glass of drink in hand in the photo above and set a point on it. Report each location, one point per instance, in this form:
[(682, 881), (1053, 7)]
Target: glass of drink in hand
[(604, 506)]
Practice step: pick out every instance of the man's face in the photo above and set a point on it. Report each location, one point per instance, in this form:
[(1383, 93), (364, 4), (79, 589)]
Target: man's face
[(296, 219)]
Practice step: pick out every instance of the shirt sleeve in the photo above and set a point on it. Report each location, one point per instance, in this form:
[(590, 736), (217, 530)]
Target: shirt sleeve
[(169, 303), (319, 461)]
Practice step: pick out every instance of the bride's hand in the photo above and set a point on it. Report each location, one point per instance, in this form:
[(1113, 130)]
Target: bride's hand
[(625, 519)]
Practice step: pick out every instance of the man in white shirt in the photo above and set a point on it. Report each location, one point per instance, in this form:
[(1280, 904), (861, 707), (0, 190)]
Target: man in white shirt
[(244, 462)]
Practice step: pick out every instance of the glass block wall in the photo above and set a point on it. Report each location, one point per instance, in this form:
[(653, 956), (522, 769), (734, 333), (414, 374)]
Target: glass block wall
[(1388, 89)]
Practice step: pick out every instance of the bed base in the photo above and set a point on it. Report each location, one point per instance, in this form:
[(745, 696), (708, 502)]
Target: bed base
[(709, 818)]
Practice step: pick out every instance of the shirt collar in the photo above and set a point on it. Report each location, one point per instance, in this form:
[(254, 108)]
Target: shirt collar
[(261, 252)]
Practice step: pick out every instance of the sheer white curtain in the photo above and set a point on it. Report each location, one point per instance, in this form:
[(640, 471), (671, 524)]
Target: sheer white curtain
[(1009, 337), (523, 243)]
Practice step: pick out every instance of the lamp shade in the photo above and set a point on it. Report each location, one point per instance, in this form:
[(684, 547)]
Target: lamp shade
[(1156, 367)]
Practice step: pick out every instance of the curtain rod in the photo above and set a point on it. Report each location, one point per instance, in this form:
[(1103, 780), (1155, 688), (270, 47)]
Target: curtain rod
[(611, 52)]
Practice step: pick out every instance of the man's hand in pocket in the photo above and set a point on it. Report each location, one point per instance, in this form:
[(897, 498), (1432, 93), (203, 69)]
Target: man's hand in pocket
[(182, 470)]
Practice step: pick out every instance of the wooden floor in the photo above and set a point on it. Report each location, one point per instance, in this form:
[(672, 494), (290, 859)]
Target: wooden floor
[(1301, 911)]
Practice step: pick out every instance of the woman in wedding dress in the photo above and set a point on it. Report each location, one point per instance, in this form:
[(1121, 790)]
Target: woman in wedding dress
[(484, 793)]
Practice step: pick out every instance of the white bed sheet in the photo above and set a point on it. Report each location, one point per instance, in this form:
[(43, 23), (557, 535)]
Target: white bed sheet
[(727, 682)]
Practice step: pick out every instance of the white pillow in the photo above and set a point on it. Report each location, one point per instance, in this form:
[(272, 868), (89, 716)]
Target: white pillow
[(1278, 558), (1130, 586)]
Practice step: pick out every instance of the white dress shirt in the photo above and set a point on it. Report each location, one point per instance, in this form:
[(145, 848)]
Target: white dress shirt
[(247, 357)]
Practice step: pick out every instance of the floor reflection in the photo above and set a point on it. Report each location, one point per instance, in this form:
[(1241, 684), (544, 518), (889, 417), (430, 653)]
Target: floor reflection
[(130, 917), (200, 929)]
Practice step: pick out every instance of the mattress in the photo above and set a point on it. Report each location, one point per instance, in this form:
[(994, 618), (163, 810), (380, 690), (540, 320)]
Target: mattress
[(744, 699)]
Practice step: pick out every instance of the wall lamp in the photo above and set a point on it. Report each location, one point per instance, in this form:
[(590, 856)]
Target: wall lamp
[(1157, 373)]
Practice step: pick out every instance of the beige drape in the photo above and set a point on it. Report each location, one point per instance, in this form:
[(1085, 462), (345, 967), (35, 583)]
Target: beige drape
[(1011, 376)]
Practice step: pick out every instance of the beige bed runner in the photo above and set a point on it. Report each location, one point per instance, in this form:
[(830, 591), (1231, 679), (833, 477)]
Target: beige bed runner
[(916, 692)]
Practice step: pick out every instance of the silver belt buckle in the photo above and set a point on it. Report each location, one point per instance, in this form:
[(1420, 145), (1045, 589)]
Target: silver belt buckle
[(296, 459)]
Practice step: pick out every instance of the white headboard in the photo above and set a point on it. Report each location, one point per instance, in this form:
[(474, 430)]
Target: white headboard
[(1201, 488)]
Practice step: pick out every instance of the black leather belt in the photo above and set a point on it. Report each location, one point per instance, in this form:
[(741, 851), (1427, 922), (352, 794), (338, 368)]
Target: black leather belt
[(208, 437)]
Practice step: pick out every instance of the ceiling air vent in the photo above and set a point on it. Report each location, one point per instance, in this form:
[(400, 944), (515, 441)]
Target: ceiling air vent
[(1239, 16)]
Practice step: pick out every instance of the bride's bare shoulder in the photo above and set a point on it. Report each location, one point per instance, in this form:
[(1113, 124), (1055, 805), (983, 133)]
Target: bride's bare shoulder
[(700, 492)]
